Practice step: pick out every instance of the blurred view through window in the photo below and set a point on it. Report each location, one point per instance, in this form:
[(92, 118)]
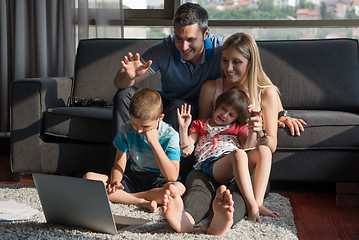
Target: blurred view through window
[(224, 16)]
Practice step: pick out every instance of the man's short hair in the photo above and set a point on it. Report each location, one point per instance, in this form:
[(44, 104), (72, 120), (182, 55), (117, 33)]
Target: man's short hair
[(191, 13), (146, 104)]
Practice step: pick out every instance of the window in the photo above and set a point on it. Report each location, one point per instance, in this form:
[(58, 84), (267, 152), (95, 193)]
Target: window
[(284, 19), (264, 19)]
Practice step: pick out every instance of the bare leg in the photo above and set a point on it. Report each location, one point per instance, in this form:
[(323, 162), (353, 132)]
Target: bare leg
[(260, 160), (222, 212), (123, 197), (179, 220), (156, 194), (235, 165)]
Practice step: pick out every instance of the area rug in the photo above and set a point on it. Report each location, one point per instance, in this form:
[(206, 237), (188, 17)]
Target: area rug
[(37, 228)]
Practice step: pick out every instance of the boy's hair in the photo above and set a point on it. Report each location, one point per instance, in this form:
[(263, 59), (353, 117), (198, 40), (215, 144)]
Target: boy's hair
[(146, 104), (191, 13), (237, 99), (257, 78)]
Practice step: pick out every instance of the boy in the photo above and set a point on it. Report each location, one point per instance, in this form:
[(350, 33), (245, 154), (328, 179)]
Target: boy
[(152, 147)]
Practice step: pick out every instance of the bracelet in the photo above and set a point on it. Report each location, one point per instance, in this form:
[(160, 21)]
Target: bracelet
[(283, 113), (185, 146)]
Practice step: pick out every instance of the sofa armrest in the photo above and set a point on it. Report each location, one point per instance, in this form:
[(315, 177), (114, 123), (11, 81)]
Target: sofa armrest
[(29, 99)]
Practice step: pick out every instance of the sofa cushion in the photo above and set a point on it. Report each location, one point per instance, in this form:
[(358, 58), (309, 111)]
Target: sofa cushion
[(314, 74), (325, 130), (79, 123)]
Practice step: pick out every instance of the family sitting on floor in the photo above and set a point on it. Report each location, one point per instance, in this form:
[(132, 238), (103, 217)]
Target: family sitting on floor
[(220, 85)]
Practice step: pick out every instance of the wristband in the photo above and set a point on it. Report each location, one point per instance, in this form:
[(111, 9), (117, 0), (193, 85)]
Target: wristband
[(185, 146)]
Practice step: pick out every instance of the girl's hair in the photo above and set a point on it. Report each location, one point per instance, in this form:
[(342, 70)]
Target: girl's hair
[(146, 104), (257, 78), (191, 13), (237, 99)]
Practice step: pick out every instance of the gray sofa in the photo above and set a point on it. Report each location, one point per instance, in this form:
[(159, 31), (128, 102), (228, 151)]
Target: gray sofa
[(318, 80)]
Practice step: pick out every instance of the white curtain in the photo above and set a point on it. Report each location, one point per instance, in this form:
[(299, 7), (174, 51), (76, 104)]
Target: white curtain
[(39, 38)]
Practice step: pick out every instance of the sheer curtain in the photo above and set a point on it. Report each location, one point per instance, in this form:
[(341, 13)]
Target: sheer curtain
[(39, 38), (99, 19)]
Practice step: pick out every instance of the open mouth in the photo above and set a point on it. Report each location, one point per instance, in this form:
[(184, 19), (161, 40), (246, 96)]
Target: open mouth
[(187, 52), (231, 74), (220, 119)]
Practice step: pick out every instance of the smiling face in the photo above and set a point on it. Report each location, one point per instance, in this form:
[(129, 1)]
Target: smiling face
[(189, 41), (224, 115), (234, 65)]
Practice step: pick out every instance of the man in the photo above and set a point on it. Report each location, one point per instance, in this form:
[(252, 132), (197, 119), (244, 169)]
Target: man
[(186, 60)]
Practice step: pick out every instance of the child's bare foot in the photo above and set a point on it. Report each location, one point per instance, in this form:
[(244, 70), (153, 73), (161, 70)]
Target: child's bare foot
[(254, 216), (174, 211), (223, 210), (266, 212), (149, 205)]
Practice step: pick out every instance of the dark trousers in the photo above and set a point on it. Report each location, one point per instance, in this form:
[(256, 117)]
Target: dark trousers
[(200, 192)]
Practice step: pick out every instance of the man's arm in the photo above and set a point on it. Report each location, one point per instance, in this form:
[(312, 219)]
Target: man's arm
[(133, 71)]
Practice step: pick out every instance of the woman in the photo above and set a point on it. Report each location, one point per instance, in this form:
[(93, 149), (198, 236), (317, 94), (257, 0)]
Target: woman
[(241, 68)]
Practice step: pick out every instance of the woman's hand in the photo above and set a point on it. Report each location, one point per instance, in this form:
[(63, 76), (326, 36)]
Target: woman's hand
[(184, 116), (295, 124)]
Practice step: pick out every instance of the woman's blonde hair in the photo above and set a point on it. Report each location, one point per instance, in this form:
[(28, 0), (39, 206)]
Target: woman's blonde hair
[(257, 78)]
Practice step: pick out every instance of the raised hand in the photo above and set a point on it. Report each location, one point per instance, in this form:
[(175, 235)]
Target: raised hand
[(184, 116), (133, 65)]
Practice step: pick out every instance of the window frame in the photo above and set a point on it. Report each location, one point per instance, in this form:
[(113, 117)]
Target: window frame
[(164, 17)]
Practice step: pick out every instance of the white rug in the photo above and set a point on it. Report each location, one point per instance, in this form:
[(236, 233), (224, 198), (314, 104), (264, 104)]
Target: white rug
[(37, 228)]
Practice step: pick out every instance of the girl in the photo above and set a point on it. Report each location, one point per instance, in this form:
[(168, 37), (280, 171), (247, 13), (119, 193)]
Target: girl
[(222, 142), (241, 68)]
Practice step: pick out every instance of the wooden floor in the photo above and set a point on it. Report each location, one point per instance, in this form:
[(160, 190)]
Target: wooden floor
[(319, 212)]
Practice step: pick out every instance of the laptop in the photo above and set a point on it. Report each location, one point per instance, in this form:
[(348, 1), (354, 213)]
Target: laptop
[(81, 203)]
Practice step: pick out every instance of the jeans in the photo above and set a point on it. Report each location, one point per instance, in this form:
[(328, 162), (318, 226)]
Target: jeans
[(200, 192)]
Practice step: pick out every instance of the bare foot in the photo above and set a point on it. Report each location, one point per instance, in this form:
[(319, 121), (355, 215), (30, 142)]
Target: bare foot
[(174, 211), (266, 212), (223, 210), (150, 206), (254, 217)]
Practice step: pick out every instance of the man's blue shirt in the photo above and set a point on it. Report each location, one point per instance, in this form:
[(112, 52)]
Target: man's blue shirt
[(180, 80)]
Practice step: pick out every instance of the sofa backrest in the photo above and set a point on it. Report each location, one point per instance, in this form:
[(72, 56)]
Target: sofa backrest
[(310, 74), (314, 74), (97, 62)]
